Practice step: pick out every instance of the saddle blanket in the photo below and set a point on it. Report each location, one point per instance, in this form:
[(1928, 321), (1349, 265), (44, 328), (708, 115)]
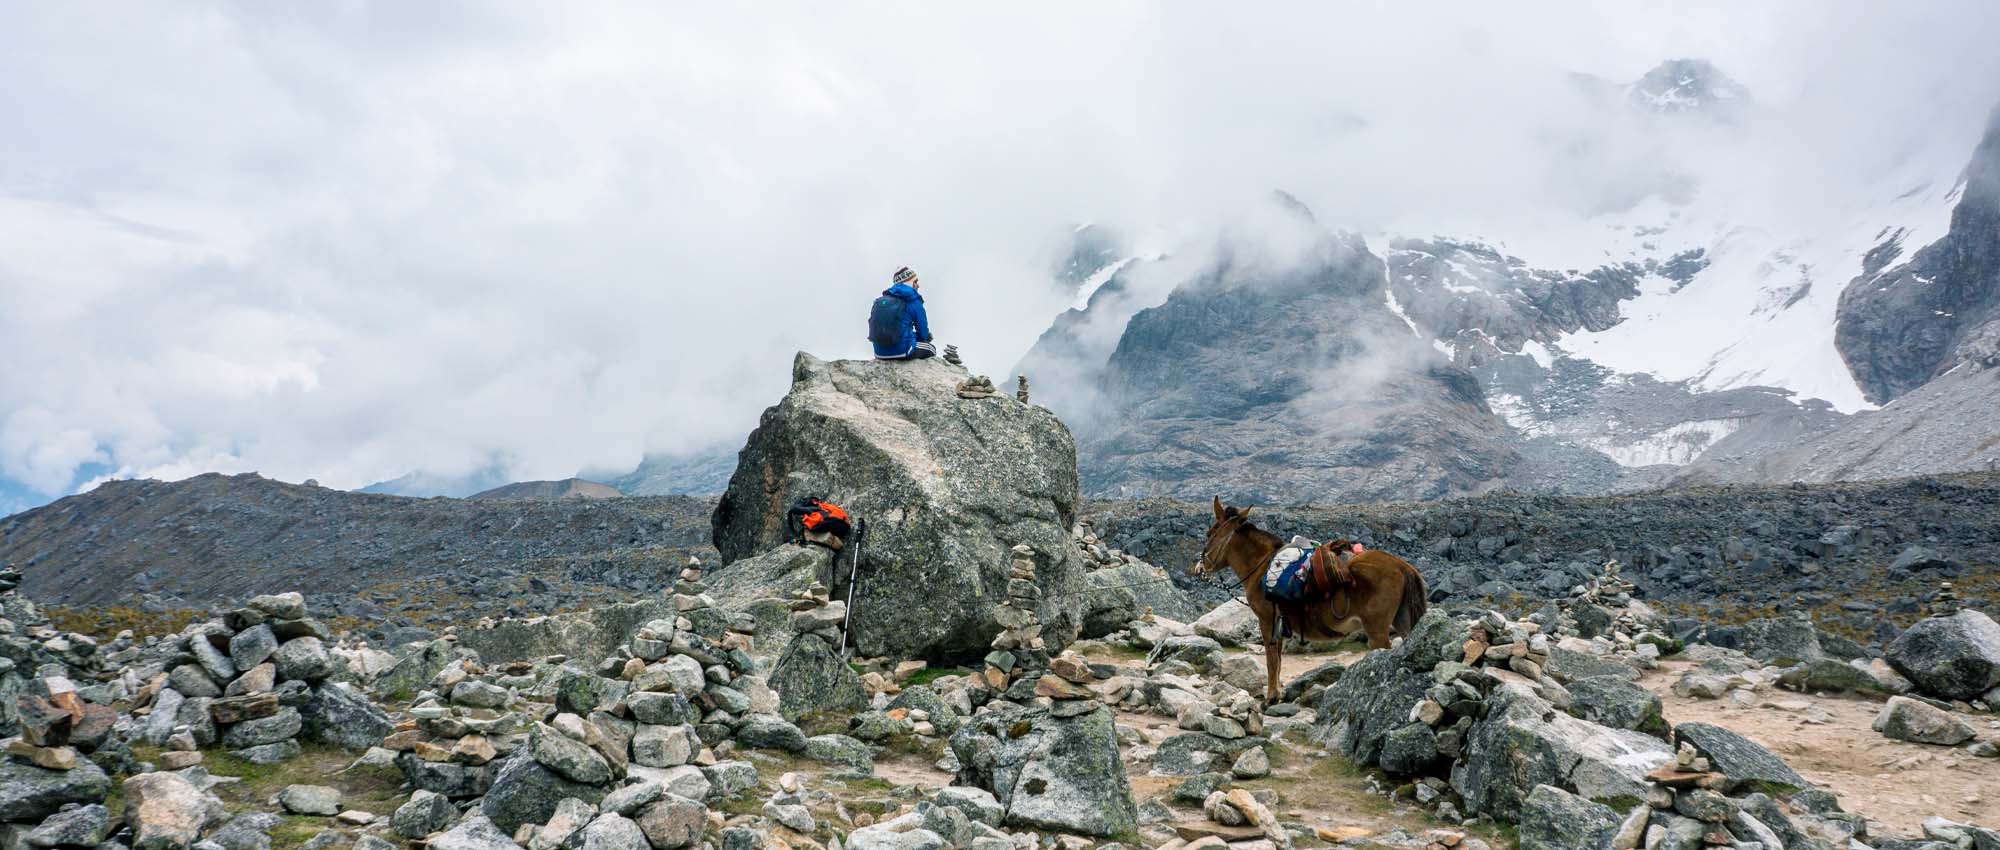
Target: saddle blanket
[(1285, 577)]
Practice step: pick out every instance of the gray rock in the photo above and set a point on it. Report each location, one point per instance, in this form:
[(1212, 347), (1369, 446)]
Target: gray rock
[(475, 832), (524, 791), (167, 811), (247, 831), (609, 831), (924, 698), (1049, 773), (282, 726), (1785, 640), (1906, 719), (426, 812), (252, 646), (1525, 742), (478, 694), (340, 715), (304, 659), (968, 480), (977, 803), (1199, 752), (166, 713), (629, 800), (1569, 665), (191, 680), (810, 677), (1554, 819), (842, 750), (664, 746), (1740, 758), (1615, 702), (83, 826), (731, 778), (660, 709), (269, 753), (280, 606), (414, 670), (213, 660), (1955, 657), (1408, 750), (310, 800), (569, 758), (1829, 676), (456, 781), (673, 821), (793, 816), (882, 838), (769, 731), (688, 780)]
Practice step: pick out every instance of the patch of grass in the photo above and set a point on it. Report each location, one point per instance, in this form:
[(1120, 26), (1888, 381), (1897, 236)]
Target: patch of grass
[(932, 674), (109, 620), (292, 831), (316, 764)]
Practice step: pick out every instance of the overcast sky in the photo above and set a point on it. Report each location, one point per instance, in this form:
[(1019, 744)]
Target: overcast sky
[(348, 240)]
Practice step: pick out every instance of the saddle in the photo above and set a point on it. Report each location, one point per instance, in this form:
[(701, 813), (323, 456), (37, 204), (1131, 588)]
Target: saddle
[(1327, 570)]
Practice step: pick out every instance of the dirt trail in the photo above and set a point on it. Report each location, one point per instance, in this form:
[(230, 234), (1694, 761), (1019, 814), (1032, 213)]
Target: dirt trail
[(1828, 740), (1314, 785)]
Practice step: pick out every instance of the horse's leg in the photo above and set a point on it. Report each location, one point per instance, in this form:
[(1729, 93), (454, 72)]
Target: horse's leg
[(1274, 655)]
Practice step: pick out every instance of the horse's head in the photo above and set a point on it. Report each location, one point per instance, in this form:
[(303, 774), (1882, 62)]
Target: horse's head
[(1215, 554)]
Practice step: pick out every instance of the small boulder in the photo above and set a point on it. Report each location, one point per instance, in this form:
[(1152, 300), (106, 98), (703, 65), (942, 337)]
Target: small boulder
[(1554, 819), (168, 812), (1955, 657), (310, 800), (1906, 719)]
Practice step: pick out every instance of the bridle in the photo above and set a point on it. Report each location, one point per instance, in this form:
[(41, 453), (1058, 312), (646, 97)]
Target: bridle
[(1209, 563)]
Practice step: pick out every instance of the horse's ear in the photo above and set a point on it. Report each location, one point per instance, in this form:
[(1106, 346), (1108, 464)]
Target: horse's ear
[(1245, 512), (1218, 509)]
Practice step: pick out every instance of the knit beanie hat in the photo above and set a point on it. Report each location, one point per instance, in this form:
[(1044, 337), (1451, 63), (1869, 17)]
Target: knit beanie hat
[(904, 275)]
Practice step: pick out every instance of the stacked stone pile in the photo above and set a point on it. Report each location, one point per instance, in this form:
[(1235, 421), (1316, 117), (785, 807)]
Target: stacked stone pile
[(810, 676), (1097, 554), (1019, 650), (258, 680)]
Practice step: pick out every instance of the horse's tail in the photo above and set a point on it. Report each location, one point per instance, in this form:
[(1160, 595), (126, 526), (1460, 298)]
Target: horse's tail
[(1416, 600)]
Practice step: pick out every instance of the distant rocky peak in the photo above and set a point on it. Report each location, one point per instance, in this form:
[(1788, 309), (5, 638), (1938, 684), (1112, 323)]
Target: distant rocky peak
[(1682, 86)]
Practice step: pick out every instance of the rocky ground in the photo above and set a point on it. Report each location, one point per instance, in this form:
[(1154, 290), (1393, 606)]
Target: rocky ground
[(1861, 557), (1557, 729)]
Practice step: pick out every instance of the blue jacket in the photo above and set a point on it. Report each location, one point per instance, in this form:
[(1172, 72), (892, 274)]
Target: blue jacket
[(916, 325)]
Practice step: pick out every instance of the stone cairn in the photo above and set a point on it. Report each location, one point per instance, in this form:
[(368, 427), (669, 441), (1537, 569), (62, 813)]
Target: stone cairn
[(1945, 603), (648, 731), (1097, 554), (816, 615), (951, 356), (243, 682), (1018, 650), (1021, 388), (977, 386)]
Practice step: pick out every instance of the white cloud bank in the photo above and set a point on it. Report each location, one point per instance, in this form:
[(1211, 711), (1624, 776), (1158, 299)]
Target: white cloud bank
[(348, 240)]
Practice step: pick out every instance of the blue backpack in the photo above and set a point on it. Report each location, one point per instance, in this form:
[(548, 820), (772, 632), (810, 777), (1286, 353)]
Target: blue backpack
[(886, 322)]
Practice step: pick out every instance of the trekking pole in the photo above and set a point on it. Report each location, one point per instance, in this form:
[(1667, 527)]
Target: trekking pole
[(853, 570)]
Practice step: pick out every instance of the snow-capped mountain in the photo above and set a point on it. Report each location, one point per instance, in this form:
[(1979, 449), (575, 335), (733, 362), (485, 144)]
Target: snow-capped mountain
[(1695, 328)]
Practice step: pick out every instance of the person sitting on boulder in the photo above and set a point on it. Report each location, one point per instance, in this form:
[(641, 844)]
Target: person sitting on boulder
[(897, 325)]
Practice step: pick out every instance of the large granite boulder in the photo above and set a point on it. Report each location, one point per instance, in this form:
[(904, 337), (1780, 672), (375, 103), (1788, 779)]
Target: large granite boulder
[(1612, 701), (1524, 742), (1955, 657), (947, 485), (810, 677), (1048, 772), (1374, 696)]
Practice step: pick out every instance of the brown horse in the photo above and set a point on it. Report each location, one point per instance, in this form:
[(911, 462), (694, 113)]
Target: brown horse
[(1383, 595)]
